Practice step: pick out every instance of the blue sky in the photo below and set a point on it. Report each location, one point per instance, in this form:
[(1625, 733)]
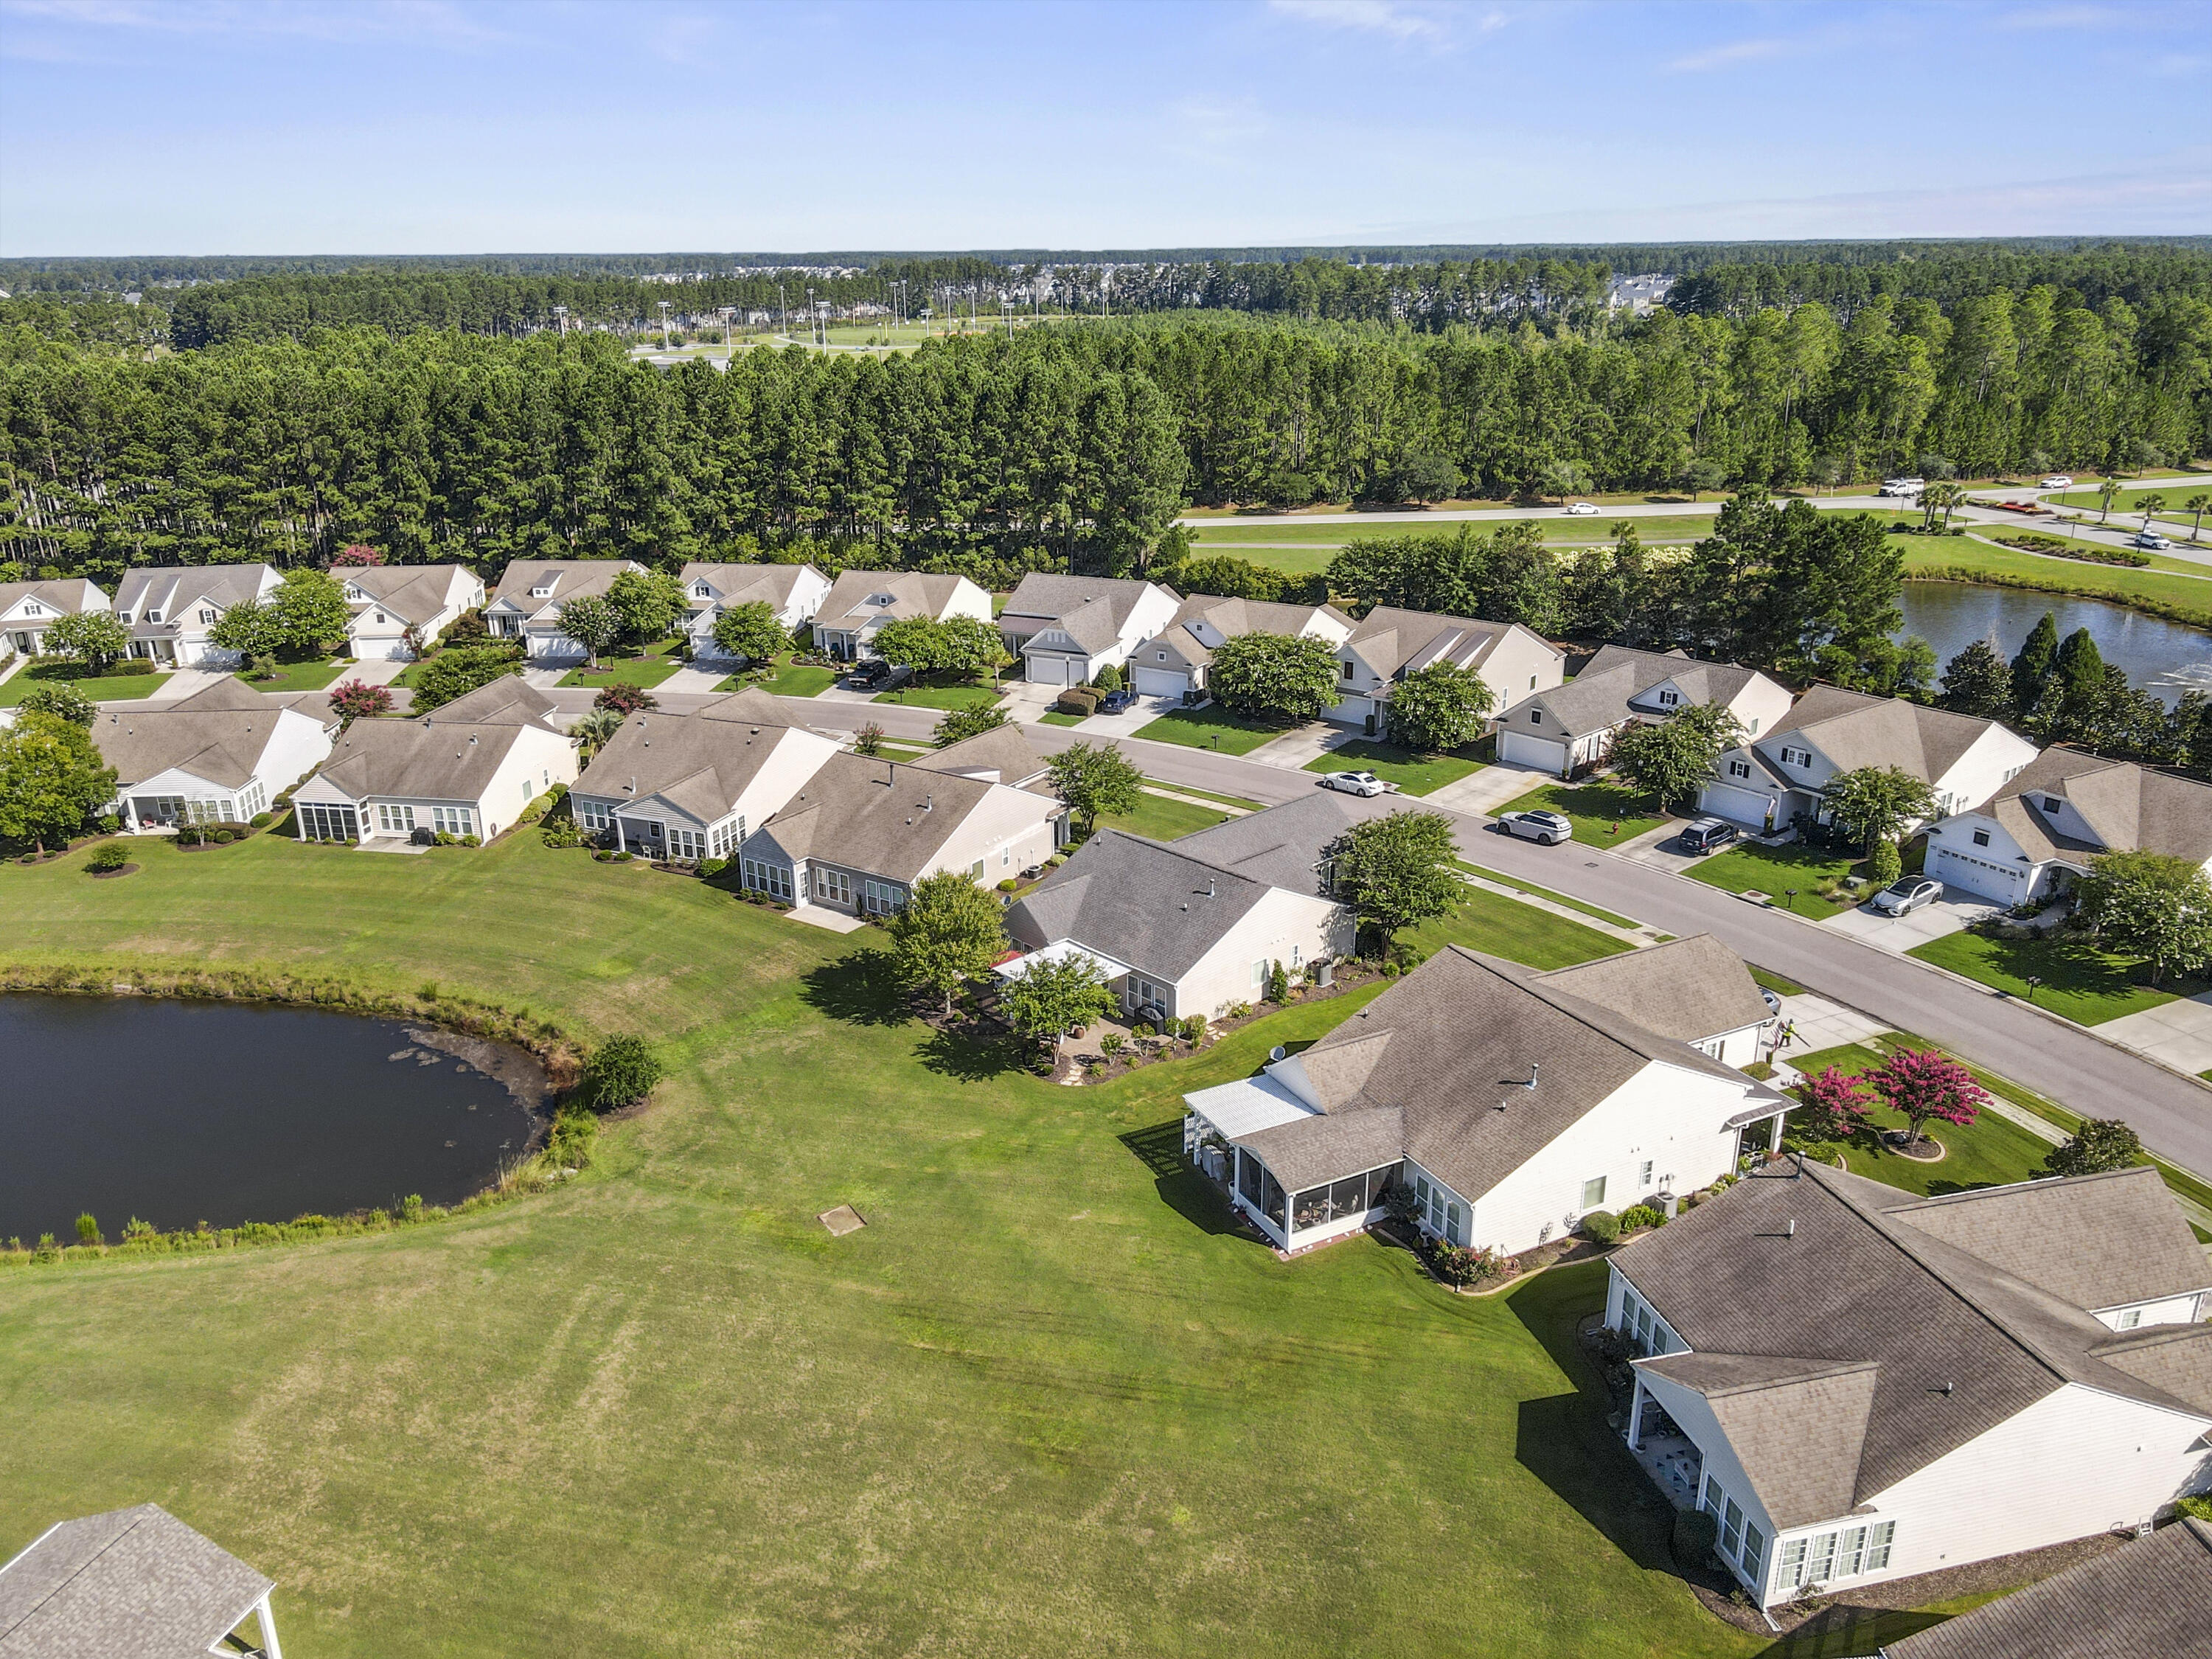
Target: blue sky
[(226, 126)]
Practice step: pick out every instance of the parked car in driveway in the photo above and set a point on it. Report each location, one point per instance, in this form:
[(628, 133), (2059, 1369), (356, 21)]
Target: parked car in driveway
[(1114, 701), (877, 675), (1707, 834), (1354, 783), (1903, 896), (1582, 510), (1548, 827)]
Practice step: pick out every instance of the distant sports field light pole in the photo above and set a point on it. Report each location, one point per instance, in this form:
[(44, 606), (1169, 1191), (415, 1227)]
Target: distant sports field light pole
[(663, 304)]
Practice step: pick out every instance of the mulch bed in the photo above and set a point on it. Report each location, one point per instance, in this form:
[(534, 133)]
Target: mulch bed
[(110, 875), (1146, 1051)]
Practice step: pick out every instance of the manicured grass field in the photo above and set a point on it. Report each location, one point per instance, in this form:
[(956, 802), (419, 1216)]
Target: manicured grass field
[(2162, 589), (1775, 870), (1209, 794), (790, 679), (1502, 926), (1521, 886), (1219, 538), (1414, 774), (1210, 727), (1164, 819), (301, 677), (104, 687), (1594, 807), (2078, 980), (1054, 717), (1047, 1401), (1991, 1151), (648, 671), (966, 694), (2128, 504)]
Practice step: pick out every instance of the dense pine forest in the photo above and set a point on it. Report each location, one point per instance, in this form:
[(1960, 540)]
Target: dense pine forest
[(1073, 444)]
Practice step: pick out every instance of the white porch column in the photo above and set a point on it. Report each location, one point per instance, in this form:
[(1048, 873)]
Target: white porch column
[(267, 1620), (1636, 1416)]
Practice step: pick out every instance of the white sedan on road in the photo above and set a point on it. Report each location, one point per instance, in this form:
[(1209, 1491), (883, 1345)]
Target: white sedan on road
[(1354, 783), (2056, 481), (1582, 510)]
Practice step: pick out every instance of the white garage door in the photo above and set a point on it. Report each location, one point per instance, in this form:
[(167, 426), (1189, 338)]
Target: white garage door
[(1161, 683), (1047, 671), (1983, 876), (1524, 751)]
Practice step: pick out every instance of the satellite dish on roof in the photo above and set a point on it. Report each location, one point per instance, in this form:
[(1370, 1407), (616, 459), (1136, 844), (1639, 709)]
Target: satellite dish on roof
[(1278, 1052)]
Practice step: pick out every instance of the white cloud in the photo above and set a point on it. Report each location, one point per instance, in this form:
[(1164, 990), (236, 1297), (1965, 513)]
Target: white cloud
[(1376, 16), (1736, 51)]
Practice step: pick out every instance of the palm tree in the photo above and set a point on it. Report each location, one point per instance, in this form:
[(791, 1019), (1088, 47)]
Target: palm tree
[(1942, 496), (2199, 504), (2151, 503), (2105, 491)]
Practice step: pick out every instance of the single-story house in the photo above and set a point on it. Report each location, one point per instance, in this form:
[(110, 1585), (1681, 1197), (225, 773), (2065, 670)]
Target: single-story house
[(1389, 644), (1512, 1106), (2151, 1597), (129, 1584), (1860, 1383), (27, 610), (1170, 930), (2041, 828), (1001, 755), (692, 786), (170, 608), (467, 767), (862, 601), (1173, 662), (1571, 729), (526, 605), (793, 591), (217, 756), (1066, 628), (1695, 990), (1772, 780), (860, 832), (398, 608)]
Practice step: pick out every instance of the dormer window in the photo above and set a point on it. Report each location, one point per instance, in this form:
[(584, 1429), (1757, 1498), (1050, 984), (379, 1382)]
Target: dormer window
[(702, 592), (2051, 803), (207, 616), (544, 591), (1668, 699), (353, 592), (153, 616), (879, 598), (1796, 756), (34, 608), (123, 616)]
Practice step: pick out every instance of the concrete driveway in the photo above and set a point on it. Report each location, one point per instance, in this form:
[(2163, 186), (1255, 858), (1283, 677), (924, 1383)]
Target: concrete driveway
[(1950, 913), (2176, 1034)]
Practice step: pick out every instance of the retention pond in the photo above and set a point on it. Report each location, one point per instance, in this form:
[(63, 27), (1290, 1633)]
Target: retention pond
[(180, 1111)]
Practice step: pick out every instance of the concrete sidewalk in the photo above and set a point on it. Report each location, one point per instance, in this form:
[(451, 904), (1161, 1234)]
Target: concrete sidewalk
[(1480, 794), (2177, 1034), (1295, 748)]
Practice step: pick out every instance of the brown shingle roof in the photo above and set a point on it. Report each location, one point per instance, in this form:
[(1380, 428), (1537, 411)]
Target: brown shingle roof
[(700, 762), (848, 605), (2130, 808), (1001, 755), (2151, 1599), (1688, 988), (1091, 608), (412, 592), (218, 733), (1798, 1426), (881, 817), (66, 597), (1854, 730), (1598, 698), (1389, 639)]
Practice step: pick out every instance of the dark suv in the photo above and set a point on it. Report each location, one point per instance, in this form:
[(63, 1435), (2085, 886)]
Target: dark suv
[(1708, 835), (874, 673)]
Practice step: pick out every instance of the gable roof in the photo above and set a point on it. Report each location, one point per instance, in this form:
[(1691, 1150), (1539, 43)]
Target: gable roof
[(2152, 1596), (1688, 988), (1101, 603), (2129, 808), (1001, 755), (700, 762), (412, 592), (746, 584), (1798, 1426), (570, 579), (1285, 846), (132, 1583), (171, 589), (1854, 730), (432, 758), (66, 597), (1455, 1044), (1144, 903), (1391, 641), (509, 700), (1959, 1345), (881, 817), (1598, 699), (850, 603), (1233, 618), (219, 733)]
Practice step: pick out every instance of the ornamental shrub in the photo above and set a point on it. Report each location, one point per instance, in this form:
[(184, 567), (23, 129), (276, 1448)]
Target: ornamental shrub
[(224, 837), (620, 1072), (1884, 863), (1601, 1227), (625, 699), (712, 866), (1696, 1534), (1008, 885), (108, 855), (1642, 1215), (263, 820), (1079, 699)]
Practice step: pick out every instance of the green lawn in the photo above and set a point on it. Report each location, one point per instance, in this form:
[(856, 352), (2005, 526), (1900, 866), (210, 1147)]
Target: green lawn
[(1211, 727), (790, 679), (2164, 589), (1595, 808), (1054, 717), (1775, 870), (1521, 886), (2078, 980), (1502, 926), (965, 694), (1991, 1151), (301, 677), (2127, 506), (647, 670), (1163, 819), (1046, 1402), (103, 688), (1209, 794), (1414, 774)]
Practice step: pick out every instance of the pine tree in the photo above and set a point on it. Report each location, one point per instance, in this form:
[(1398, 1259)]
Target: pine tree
[(2031, 669), (1976, 681)]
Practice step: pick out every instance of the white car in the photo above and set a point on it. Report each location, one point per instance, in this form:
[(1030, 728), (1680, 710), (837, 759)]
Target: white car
[(2151, 538), (1582, 510), (1354, 783), (1902, 486), (2055, 481), (1903, 896), (1549, 828)]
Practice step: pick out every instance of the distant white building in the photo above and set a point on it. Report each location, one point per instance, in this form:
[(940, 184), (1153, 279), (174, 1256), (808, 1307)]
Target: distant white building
[(27, 610)]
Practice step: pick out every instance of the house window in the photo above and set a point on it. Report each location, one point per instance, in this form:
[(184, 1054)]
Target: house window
[(254, 798), (833, 885), (976, 870), (1259, 972), (686, 843), (1825, 1557), (1006, 858), (1531, 682), (882, 898), (590, 813), (1668, 699), (1535, 717), (1161, 655), (2130, 1319), (379, 616), (395, 820), (1981, 838), (453, 820), (1796, 756), (699, 592), (328, 822), (153, 616), (541, 592), (123, 616), (1593, 1193), (207, 616), (1739, 769), (2051, 803), (1643, 1177), (723, 838), (772, 878), (1347, 671)]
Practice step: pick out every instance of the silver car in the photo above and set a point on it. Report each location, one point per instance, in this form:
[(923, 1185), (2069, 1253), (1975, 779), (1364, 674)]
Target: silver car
[(1902, 897), (1548, 827), (1354, 783)]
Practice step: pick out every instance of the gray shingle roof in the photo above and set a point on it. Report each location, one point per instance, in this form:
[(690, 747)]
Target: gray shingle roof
[(701, 762), (1329, 1147), (1598, 699), (572, 579), (1854, 730), (2150, 1599), (173, 589), (135, 1583), (1285, 846), (1389, 639), (1232, 617), (1959, 1345), (412, 592), (1799, 1425), (746, 584), (1688, 988), (1001, 755), (64, 598), (1139, 902), (419, 759), (509, 700), (2129, 807), (1091, 608), (849, 605), (218, 733), (883, 818)]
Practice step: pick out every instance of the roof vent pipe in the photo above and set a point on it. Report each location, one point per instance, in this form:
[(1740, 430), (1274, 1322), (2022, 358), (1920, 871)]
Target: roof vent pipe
[(1534, 1066), (1209, 887), (1792, 1232)]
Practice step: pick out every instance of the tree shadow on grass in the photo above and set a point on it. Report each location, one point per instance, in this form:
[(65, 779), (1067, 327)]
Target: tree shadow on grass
[(1180, 1186), (969, 1053), (860, 988)]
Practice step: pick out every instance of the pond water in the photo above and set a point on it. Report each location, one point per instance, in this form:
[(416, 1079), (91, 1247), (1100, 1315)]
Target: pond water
[(179, 1111), (2162, 658)]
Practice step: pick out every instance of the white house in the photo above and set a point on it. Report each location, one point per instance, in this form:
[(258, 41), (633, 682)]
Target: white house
[(1172, 931), (170, 608), (218, 757), (862, 601), (27, 610), (1773, 780), (1066, 628), (527, 603), (398, 608), (1571, 729), (2043, 827), (1694, 990), (1389, 644), (793, 591), (467, 767), (1173, 662), (1510, 1104), (858, 835), (135, 1581), (1861, 1383)]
